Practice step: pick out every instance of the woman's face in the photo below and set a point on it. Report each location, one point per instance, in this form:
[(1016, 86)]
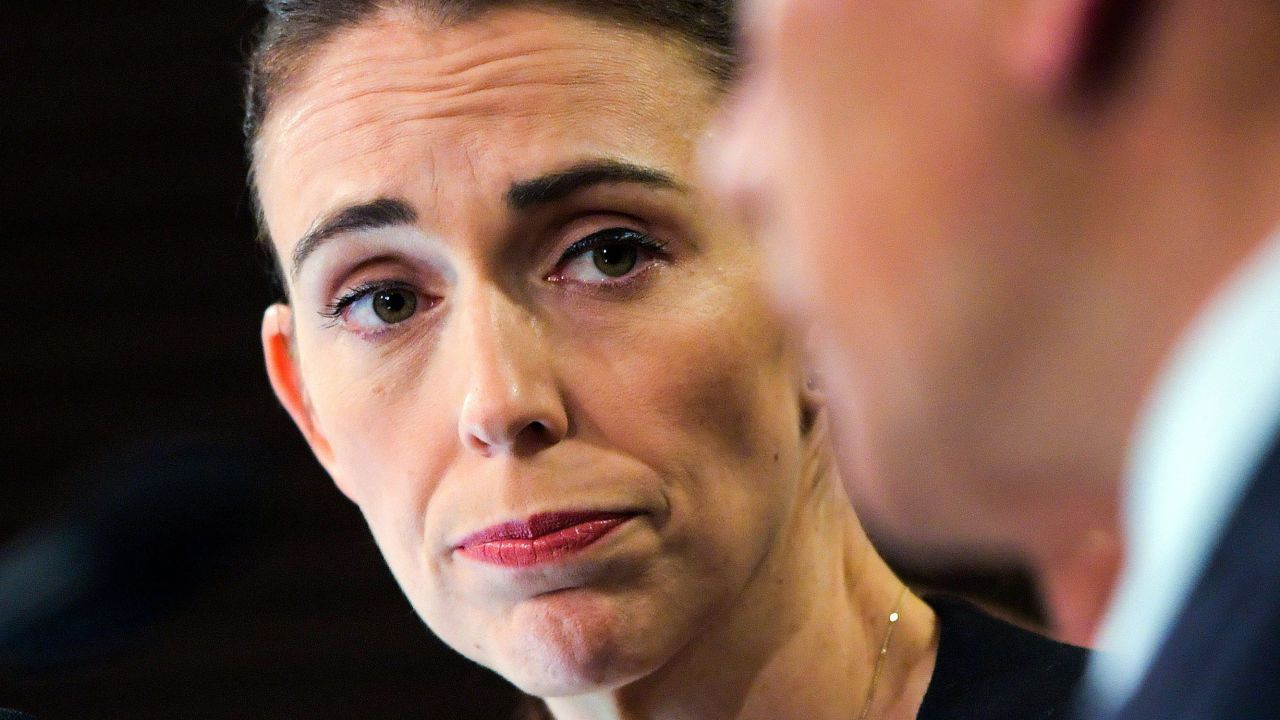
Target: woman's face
[(512, 316)]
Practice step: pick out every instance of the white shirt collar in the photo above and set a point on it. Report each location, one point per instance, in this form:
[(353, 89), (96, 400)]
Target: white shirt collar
[(1199, 440)]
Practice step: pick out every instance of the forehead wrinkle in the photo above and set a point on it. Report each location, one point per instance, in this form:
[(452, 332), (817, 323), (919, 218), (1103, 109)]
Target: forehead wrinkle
[(380, 95), (503, 48), (415, 92), (380, 126)]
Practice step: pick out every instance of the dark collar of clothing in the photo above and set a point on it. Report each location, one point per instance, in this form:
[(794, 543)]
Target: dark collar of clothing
[(988, 669)]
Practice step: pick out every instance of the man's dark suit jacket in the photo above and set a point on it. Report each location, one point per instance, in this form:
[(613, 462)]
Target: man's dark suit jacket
[(1222, 657), (14, 715)]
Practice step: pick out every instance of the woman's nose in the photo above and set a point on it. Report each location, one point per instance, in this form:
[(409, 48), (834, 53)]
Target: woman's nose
[(512, 403)]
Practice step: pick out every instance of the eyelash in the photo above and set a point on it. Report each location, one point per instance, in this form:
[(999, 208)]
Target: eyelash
[(335, 309), (612, 236), (600, 238)]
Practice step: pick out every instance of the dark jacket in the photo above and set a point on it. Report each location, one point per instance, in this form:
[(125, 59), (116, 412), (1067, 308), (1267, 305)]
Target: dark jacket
[(1222, 657)]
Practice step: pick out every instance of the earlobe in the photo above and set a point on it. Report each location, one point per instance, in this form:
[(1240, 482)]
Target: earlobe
[(812, 398), (812, 401), (286, 381), (1049, 43)]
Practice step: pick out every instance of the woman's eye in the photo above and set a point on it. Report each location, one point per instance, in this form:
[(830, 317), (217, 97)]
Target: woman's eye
[(372, 308), (607, 255), (614, 260), (393, 306)]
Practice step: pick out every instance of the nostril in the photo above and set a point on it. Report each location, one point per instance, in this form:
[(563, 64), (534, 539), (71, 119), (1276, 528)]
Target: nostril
[(537, 432), (534, 436)]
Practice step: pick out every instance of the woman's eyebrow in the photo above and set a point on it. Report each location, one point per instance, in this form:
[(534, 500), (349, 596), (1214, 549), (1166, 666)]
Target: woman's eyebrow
[(560, 184), (371, 215), (522, 195)]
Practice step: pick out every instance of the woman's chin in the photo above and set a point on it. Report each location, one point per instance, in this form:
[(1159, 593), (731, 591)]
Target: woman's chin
[(576, 643), (565, 679)]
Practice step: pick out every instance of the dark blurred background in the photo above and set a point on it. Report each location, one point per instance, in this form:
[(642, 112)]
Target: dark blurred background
[(129, 310)]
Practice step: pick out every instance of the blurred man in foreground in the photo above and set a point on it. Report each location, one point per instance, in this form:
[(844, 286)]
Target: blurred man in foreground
[(1040, 240)]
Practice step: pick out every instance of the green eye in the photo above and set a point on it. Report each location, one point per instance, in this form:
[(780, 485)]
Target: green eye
[(393, 306), (614, 260)]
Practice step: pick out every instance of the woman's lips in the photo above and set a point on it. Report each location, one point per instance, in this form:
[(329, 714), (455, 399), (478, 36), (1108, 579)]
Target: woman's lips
[(539, 539)]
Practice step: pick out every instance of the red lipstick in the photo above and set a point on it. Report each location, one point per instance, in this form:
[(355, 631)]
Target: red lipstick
[(539, 539)]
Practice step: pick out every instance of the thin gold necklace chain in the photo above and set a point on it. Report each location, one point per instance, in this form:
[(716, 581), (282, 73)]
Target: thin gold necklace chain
[(884, 650)]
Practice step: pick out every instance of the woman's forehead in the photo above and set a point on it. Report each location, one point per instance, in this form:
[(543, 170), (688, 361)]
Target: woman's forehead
[(512, 93)]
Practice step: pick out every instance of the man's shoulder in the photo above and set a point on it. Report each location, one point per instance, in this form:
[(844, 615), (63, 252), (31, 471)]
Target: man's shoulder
[(1222, 656)]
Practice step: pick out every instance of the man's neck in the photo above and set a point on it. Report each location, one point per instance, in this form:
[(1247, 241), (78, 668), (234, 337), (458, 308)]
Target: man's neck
[(1171, 246)]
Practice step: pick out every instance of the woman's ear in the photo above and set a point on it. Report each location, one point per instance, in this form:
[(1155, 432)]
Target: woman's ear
[(812, 399), (286, 380)]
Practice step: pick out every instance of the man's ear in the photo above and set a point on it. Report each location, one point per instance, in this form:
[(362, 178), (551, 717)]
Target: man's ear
[(1076, 48), (1049, 40), (286, 380)]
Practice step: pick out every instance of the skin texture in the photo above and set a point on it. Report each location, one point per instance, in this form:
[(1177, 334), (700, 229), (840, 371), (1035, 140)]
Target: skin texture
[(997, 250), (527, 382)]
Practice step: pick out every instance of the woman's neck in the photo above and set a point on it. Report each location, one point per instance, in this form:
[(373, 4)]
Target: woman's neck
[(801, 641)]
